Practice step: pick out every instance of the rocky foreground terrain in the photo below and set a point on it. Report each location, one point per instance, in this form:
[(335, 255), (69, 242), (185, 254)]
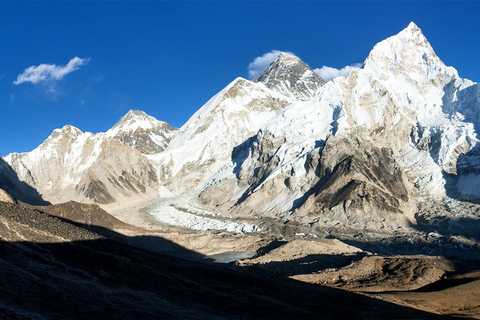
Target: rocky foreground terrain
[(55, 268)]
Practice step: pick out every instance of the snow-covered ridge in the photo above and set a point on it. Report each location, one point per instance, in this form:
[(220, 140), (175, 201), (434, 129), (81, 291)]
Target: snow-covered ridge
[(72, 165), (226, 120)]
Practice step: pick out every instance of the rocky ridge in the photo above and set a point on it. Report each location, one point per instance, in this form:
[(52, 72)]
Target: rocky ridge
[(14, 188), (204, 144), (72, 165)]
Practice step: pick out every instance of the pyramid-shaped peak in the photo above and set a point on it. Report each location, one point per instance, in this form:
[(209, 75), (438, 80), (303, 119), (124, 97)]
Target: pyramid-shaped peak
[(286, 54), (409, 47), (411, 34), (69, 129), (412, 26), (134, 114), (287, 57), (290, 76), (412, 31), (137, 118), (142, 132)]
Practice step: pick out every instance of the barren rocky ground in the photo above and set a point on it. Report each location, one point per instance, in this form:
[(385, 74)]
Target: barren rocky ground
[(52, 268)]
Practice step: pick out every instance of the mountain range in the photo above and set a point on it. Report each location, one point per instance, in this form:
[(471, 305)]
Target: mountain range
[(391, 148)]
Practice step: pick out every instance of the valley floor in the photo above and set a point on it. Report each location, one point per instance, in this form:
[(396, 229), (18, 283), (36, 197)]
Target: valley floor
[(56, 268)]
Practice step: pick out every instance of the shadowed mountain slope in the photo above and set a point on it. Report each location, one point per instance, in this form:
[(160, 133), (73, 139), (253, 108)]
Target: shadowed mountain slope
[(52, 269)]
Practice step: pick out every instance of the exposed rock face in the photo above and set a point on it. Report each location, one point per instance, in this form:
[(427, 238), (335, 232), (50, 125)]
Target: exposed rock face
[(142, 132), (203, 145), (5, 197), (359, 184), (72, 165), (291, 77), (15, 188)]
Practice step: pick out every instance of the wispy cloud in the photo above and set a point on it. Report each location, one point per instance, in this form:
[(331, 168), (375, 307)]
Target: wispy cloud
[(49, 72), (259, 64), (329, 73)]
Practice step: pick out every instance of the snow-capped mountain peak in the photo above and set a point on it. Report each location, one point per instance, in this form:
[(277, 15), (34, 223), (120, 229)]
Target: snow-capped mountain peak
[(407, 52), (291, 77), (134, 120), (288, 58), (67, 130), (143, 132)]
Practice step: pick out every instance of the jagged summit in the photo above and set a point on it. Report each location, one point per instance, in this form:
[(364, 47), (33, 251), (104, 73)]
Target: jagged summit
[(138, 113), (143, 132), (414, 31), (63, 137), (67, 129), (134, 120), (409, 51), (287, 58), (412, 26), (291, 77)]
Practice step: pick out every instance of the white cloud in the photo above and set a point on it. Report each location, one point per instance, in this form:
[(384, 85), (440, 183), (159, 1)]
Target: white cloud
[(49, 72), (259, 64), (329, 73)]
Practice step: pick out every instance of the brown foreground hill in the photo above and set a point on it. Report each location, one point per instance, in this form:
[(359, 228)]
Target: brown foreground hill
[(51, 268)]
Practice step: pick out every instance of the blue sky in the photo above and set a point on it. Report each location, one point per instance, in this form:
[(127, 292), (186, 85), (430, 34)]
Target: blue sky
[(100, 59)]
